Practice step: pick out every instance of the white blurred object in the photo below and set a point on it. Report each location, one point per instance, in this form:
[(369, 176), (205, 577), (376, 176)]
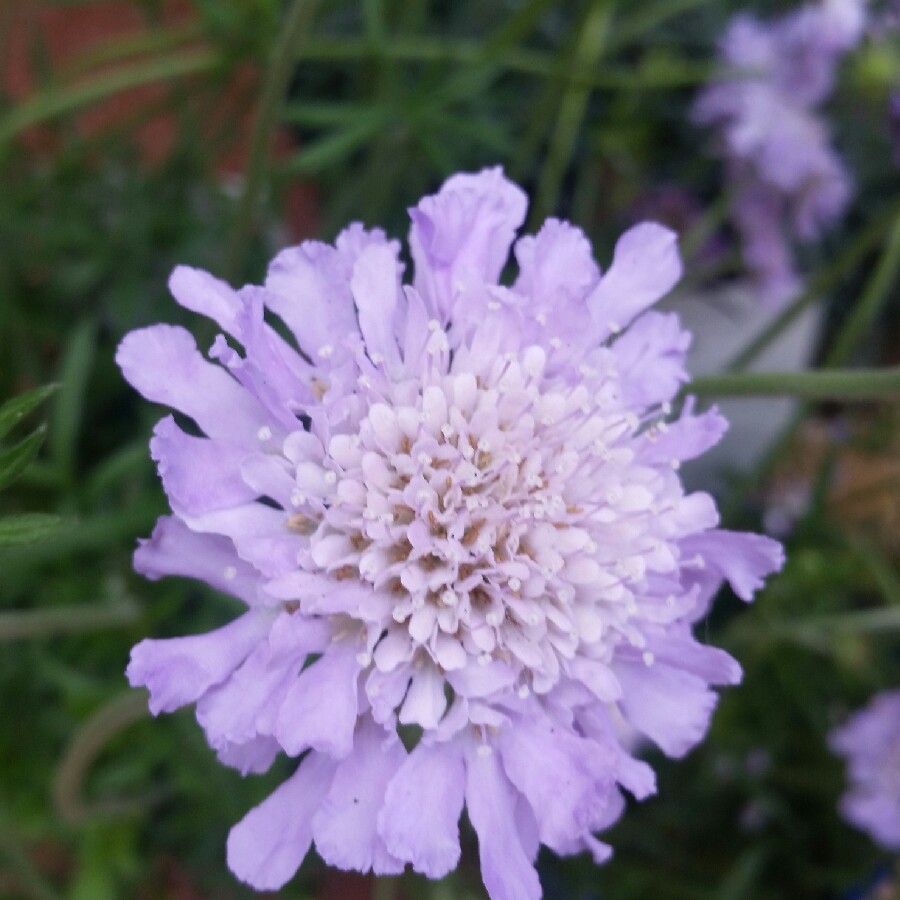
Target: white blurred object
[(723, 322)]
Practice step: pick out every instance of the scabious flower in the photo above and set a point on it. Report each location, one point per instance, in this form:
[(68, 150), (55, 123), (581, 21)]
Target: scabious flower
[(787, 180), (870, 743), (450, 505)]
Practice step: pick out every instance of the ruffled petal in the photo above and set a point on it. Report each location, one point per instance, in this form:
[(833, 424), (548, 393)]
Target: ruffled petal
[(247, 704), (670, 706), (198, 474), (266, 847), (174, 549), (742, 558), (506, 869), (178, 671), (376, 289), (645, 266), (162, 362), (567, 779), (651, 356), (460, 237), (344, 828), (419, 820), (200, 292), (320, 709)]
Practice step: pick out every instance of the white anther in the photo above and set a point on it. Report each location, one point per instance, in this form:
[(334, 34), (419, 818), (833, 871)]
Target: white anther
[(541, 319), (555, 343), (449, 597), (447, 430), (264, 433), (398, 615), (614, 327), (423, 496), (387, 518), (494, 618), (514, 584), (434, 325), (377, 359), (424, 459), (493, 305), (666, 408), (364, 659), (330, 477), (675, 464), (484, 659), (648, 658), (230, 573), (523, 691), (297, 498), (326, 350), (483, 445), (418, 601), (484, 751)]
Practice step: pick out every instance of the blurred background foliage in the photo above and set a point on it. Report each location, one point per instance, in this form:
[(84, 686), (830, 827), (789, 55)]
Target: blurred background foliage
[(137, 135)]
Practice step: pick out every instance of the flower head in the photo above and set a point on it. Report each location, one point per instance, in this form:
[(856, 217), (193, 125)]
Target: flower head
[(451, 505), (786, 177), (870, 743)]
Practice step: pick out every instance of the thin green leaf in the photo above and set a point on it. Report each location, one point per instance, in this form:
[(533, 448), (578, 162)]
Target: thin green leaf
[(65, 420), (61, 100), (13, 411), (14, 461), (332, 149), (28, 527)]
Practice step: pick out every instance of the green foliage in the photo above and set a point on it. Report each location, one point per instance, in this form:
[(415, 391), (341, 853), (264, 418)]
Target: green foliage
[(586, 104)]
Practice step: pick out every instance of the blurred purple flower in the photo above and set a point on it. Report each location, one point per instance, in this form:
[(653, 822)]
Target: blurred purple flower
[(870, 743), (452, 506), (786, 179)]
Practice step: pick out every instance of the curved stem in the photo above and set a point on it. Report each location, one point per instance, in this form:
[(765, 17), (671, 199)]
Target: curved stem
[(117, 715)]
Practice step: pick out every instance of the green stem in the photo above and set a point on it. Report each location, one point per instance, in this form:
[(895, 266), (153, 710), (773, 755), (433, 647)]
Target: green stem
[(284, 56), (588, 50), (821, 282), (839, 384), (117, 715), (424, 49), (876, 293), (58, 101), (44, 623)]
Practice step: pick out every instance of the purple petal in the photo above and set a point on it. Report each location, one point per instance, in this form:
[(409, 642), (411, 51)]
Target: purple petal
[(420, 817), (507, 871), (568, 780), (199, 291), (178, 671), (252, 758), (198, 474), (460, 237), (162, 362), (176, 550), (556, 267), (376, 289), (344, 828), (686, 438), (651, 355), (670, 706), (645, 266), (320, 709), (266, 847), (742, 558)]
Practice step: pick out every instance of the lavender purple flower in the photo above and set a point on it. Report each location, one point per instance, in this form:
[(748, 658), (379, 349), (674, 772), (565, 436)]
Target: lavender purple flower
[(452, 505), (870, 743), (787, 180)]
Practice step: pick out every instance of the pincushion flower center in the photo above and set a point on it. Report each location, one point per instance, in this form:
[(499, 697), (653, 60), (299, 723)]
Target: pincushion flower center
[(477, 503)]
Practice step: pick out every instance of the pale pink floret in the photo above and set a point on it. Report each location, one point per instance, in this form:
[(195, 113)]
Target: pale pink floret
[(452, 505)]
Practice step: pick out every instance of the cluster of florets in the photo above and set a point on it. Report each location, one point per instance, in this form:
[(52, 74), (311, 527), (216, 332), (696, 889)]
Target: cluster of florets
[(786, 179), (870, 743), (450, 505)]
